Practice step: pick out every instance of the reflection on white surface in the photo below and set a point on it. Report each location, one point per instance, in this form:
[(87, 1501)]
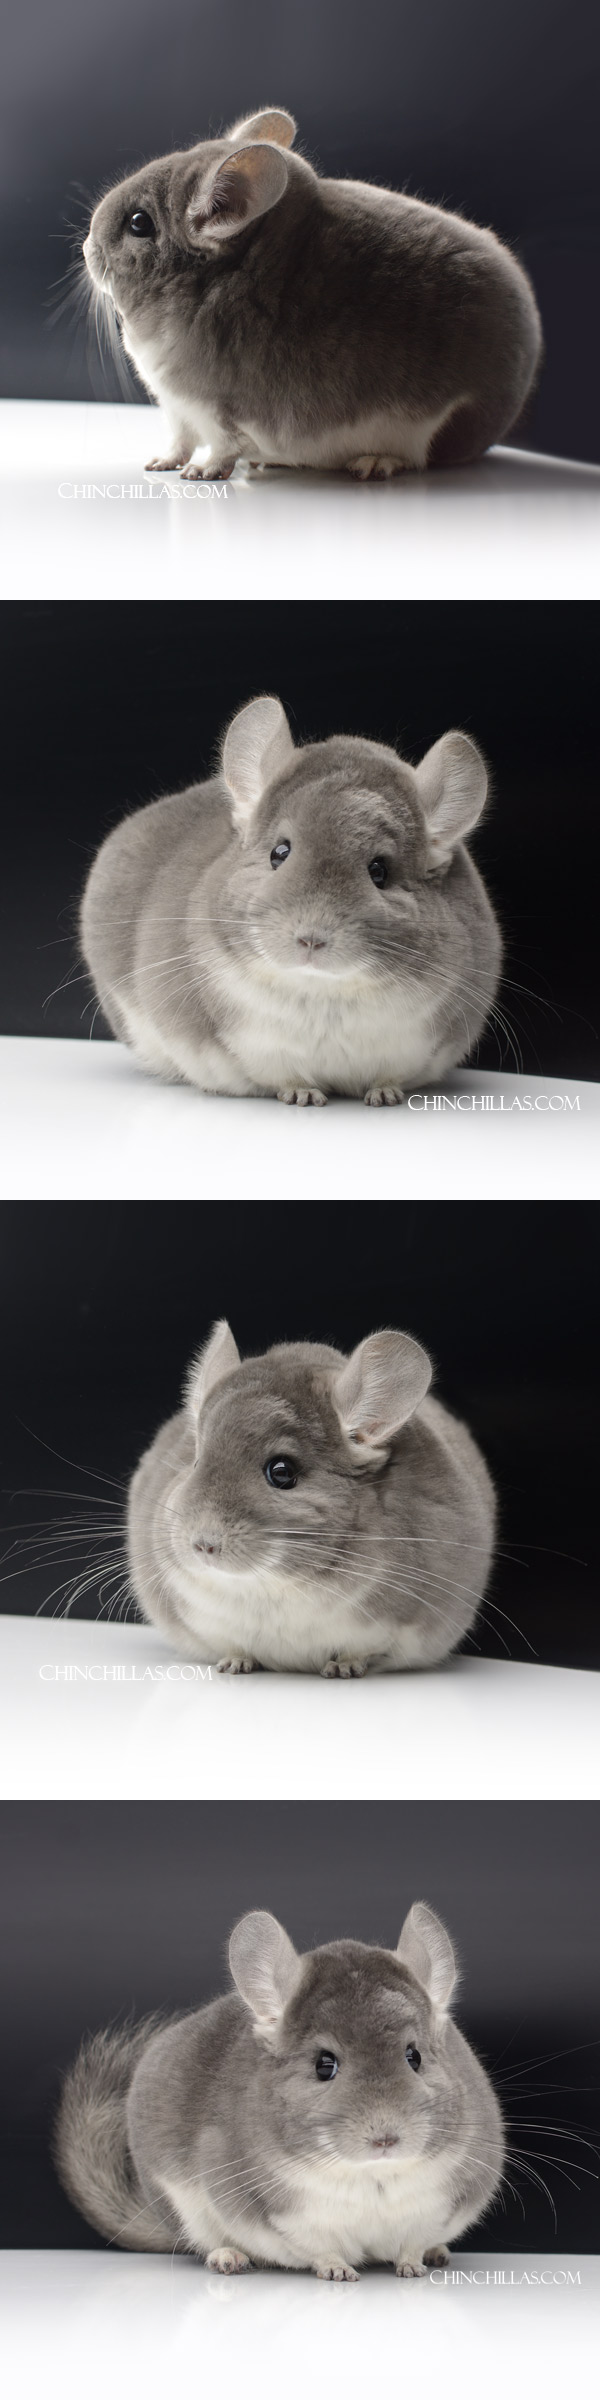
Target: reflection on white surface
[(108, 1712), (81, 519), (80, 1121), (95, 2324)]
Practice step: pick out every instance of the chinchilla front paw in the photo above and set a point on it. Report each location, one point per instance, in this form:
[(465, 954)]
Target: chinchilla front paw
[(410, 2267), (383, 1095), (214, 470), (228, 2262), (236, 1666), (302, 1095), (334, 2270), (437, 2258), (371, 469), (344, 1666)]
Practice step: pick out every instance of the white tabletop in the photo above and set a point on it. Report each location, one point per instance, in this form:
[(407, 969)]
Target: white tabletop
[(80, 1121), (81, 519), (96, 2322), (99, 1712)]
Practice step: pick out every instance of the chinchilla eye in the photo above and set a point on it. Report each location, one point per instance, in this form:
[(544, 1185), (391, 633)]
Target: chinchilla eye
[(414, 2057), (281, 851), (378, 870), (281, 1473), (141, 224), (326, 2066)]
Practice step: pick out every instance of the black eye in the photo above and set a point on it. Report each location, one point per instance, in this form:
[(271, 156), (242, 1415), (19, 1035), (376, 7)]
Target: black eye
[(414, 2057), (326, 2066), (141, 224), (281, 1473), (378, 871), (281, 851)]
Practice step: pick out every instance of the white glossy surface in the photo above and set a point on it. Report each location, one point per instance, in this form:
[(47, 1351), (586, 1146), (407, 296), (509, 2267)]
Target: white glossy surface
[(517, 526), (87, 2322), (99, 1712), (80, 1121)]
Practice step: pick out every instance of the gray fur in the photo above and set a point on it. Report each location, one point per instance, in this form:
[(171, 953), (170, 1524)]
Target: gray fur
[(305, 978), (280, 316), (222, 2140), (377, 1558)]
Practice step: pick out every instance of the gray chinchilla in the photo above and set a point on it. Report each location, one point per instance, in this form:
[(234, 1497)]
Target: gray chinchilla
[(311, 1512), (308, 922), (284, 318), (329, 2116)]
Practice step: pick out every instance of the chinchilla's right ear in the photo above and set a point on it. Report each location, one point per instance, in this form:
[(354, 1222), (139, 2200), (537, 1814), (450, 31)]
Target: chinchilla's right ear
[(264, 1964), (257, 748), (219, 1357), (426, 1948)]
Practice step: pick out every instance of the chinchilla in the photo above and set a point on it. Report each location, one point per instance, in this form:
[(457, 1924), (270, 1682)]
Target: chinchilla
[(307, 922), (326, 2115), (311, 1512), (282, 317)]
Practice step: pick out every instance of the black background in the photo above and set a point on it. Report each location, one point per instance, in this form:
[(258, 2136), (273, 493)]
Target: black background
[(490, 109), (110, 705), (110, 1909), (104, 1304)]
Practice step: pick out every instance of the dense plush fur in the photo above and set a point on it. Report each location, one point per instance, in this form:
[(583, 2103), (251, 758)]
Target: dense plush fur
[(215, 2134), (283, 317), (375, 1559), (238, 941)]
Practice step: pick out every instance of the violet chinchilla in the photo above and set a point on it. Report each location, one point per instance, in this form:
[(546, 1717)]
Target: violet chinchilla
[(326, 2115), (286, 318), (311, 1512), (308, 922)]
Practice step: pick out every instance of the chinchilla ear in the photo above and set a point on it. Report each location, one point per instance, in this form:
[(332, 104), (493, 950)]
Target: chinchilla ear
[(245, 185), (426, 1948), (257, 748), (264, 1964), (219, 1357), (452, 787), (270, 125), (380, 1387)]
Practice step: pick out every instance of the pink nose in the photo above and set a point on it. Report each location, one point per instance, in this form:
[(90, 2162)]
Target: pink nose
[(386, 2141), (312, 941), (208, 1544)]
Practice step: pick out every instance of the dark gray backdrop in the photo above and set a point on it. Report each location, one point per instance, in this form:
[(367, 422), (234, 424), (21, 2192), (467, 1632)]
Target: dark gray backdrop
[(110, 1908), (491, 109)]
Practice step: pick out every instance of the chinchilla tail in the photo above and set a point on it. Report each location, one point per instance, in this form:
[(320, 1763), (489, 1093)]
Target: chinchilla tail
[(90, 2141)]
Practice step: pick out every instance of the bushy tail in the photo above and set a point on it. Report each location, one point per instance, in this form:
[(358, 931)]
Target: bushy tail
[(91, 2148)]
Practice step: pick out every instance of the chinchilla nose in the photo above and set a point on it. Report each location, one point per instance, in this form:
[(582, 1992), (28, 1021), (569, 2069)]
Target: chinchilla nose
[(312, 941), (385, 2141), (208, 1543)]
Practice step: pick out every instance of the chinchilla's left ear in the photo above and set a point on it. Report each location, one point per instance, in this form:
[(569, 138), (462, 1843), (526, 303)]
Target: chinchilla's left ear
[(257, 747), (426, 1948), (452, 787), (270, 125), (379, 1388)]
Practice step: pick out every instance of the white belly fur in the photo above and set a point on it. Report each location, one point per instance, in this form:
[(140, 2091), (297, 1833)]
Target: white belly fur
[(332, 1032), (350, 2212), (285, 1624)]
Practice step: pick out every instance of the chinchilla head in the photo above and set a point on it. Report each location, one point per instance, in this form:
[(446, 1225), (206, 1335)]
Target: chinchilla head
[(366, 2065), (349, 860), (290, 1450), (174, 222)]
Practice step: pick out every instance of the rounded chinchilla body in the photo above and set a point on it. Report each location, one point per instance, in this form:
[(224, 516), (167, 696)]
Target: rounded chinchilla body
[(286, 318), (326, 2115), (311, 1512), (309, 922)]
